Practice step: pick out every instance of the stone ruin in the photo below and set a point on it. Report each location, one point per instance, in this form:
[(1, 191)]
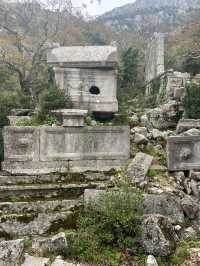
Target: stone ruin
[(47, 169), (88, 75), (183, 147)]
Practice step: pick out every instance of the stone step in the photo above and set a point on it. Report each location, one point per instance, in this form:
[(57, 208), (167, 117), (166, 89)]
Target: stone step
[(43, 191), (35, 224), (7, 179), (7, 208)]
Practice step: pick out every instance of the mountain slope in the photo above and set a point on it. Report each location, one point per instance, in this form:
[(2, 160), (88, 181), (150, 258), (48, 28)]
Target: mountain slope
[(148, 16)]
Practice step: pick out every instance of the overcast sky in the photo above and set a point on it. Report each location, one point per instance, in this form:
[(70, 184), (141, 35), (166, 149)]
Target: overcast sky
[(94, 8)]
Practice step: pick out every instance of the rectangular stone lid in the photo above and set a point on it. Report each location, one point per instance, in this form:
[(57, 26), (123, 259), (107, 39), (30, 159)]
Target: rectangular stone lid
[(94, 56)]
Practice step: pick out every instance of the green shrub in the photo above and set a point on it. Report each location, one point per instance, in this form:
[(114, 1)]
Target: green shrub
[(52, 99), (192, 101), (108, 226)]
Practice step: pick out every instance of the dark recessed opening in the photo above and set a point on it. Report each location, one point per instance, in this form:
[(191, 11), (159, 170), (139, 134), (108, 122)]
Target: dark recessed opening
[(94, 90)]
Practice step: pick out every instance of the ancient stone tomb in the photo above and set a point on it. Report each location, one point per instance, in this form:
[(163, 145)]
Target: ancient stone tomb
[(88, 75)]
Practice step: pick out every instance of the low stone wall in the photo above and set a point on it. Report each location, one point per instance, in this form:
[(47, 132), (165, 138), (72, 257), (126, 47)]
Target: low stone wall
[(42, 150)]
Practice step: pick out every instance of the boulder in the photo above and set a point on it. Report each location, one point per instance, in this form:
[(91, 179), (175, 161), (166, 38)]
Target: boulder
[(158, 236), (140, 130), (188, 234), (146, 123), (10, 252), (140, 139), (190, 207), (165, 204), (151, 261), (56, 245), (35, 261), (139, 167)]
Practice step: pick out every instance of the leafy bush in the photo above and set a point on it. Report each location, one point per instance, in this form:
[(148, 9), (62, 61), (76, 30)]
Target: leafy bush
[(192, 101), (52, 99), (109, 226)]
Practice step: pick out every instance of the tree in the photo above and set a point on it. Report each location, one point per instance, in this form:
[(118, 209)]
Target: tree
[(27, 31)]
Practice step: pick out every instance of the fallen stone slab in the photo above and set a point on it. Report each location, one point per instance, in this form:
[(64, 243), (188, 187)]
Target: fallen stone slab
[(139, 167), (165, 204), (56, 245), (35, 261), (10, 252), (187, 124), (158, 236)]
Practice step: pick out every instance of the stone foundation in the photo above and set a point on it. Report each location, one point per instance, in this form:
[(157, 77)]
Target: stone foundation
[(43, 150)]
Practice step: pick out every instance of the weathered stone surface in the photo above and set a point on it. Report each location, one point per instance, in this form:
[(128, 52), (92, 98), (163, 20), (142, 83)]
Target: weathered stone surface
[(159, 237), (10, 252), (60, 262), (140, 139), (151, 261), (43, 191), (48, 206), (140, 130), (30, 150), (13, 120), (188, 234), (139, 167), (191, 132), (194, 258), (187, 124), (87, 74), (55, 245), (154, 58), (190, 207), (183, 153), (92, 194), (83, 54), (35, 261), (35, 224), (146, 123), (164, 204), (71, 117), (165, 116)]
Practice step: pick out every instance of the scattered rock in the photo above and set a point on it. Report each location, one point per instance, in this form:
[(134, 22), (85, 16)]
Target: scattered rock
[(139, 167), (188, 234), (191, 132), (194, 257), (10, 252), (157, 134), (140, 130), (195, 175), (140, 139), (151, 261), (165, 204), (35, 261), (190, 207), (56, 245), (133, 120), (145, 123), (159, 237)]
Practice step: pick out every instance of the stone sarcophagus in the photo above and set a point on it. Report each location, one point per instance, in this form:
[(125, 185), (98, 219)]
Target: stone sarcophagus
[(88, 75), (183, 153), (42, 150)]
